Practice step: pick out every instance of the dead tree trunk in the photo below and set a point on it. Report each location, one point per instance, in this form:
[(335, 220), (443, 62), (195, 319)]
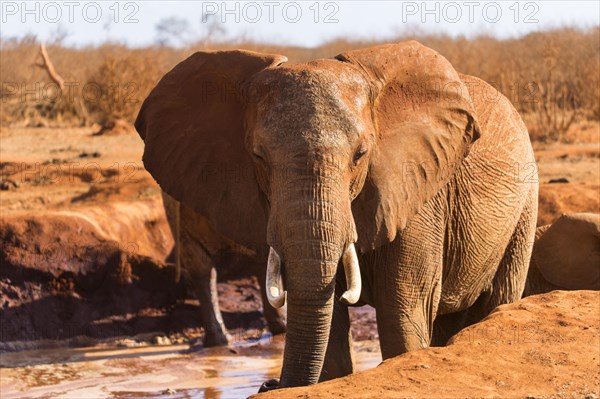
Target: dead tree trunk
[(47, 65)]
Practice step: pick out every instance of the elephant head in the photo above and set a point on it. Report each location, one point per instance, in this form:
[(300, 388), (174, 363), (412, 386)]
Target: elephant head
[(311, 162)]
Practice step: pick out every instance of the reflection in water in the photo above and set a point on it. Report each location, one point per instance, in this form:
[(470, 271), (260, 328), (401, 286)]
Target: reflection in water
[(150, 372)]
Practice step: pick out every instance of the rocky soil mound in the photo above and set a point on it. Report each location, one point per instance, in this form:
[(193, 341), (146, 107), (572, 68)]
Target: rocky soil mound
[(544, 346)]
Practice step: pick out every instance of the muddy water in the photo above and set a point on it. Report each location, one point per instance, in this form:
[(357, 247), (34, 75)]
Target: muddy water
[(150, 371)]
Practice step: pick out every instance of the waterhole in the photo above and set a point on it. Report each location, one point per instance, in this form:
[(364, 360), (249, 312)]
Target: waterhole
[(168, 372)]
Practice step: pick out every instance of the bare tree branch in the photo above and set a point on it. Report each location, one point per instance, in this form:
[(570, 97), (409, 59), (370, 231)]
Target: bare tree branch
[(47, 65)]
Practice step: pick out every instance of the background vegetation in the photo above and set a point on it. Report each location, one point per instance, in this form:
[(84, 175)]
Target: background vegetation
[(552, 77)]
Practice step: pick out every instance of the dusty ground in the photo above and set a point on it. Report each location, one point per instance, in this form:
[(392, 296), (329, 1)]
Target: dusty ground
[(545, 346), (85, 243), (579, 165), (85, 239), (83, 262)]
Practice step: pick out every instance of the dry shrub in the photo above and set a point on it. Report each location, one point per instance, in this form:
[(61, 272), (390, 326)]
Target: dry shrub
[(63, 111), (117, 89), (29, 97), (90, 75), (552, 77)]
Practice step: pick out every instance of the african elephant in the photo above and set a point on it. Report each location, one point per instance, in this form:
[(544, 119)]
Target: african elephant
[(381, 176), (566, 255), (201, 251)]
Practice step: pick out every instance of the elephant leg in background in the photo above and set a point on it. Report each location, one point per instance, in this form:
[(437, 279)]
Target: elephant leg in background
[(408, 279), (276, 318), (203, 279), (339, 359), (446, 325), (536, 283)]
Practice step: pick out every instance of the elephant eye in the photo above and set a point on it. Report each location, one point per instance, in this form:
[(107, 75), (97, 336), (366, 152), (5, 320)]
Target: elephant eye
[(359, 154), (258, 155)]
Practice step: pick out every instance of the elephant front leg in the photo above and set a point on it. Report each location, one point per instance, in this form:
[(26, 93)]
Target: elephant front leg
[(404, 327), (407, 275), (339, 359)]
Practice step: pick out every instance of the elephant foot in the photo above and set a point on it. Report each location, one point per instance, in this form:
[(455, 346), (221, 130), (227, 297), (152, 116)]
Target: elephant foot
[(270, 385), (277, 327), (215, 339)]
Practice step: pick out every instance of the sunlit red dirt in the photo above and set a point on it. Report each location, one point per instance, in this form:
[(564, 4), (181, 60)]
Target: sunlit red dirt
[(545, 346)]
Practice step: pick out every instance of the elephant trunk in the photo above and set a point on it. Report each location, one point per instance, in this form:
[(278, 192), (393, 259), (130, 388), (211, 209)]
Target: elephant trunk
[(310, 310), (309, 321), (310, 269), (312, 231)]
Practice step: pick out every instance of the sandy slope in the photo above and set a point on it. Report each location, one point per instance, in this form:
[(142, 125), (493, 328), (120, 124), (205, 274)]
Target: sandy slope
[(540, 347)]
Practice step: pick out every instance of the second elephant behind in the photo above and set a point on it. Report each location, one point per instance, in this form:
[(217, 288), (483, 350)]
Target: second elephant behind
[(566, 255), (201, 252)]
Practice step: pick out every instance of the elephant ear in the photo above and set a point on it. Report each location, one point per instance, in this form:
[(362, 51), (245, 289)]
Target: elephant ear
[(568, 252), (425, 123), (192, 124)]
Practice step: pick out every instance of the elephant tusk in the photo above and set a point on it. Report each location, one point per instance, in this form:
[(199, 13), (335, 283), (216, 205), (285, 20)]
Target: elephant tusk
[(274, 292), (352, 271)]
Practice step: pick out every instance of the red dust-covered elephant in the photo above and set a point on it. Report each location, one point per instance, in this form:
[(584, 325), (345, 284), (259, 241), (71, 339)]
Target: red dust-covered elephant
[(380, 176)]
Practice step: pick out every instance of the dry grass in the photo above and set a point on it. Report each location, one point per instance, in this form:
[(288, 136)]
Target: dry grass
[(553, 77), (120, 83)]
